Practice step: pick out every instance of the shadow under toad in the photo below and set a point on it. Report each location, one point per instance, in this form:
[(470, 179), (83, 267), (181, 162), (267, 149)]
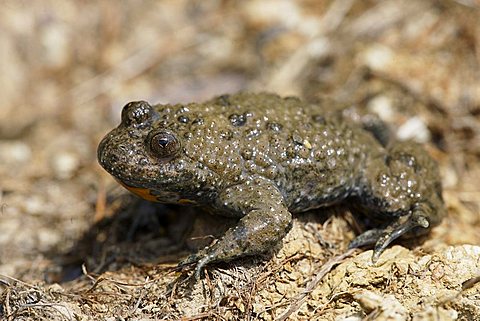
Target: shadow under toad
[(138, 232)]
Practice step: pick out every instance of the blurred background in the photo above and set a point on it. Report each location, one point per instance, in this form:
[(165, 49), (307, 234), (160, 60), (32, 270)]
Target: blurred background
[(68, 67)]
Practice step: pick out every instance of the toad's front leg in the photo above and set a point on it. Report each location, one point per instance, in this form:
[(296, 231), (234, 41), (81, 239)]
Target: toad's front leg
[(264, 222)]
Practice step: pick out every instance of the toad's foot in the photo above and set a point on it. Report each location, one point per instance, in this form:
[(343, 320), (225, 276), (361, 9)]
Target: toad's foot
[(199, 259), (416, 222), (264, 222)]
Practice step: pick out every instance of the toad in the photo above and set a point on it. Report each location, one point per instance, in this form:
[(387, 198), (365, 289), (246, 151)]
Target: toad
[(261, 158)]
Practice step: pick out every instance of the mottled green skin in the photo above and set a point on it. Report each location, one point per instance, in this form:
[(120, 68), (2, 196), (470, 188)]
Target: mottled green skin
[(260, 157)]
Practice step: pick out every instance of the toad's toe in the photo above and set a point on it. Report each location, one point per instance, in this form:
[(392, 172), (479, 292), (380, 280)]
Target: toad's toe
[(382, 237)]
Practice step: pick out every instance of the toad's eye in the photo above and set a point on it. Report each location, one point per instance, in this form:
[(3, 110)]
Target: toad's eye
[(164, 144)]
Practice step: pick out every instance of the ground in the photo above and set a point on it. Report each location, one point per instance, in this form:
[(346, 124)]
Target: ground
[(76, 246)]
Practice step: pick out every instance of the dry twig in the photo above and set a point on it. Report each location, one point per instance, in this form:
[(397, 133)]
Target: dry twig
[(301, 297)]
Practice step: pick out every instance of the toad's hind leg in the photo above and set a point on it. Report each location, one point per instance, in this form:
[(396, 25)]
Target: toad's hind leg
[(402, 188), (265, 221)]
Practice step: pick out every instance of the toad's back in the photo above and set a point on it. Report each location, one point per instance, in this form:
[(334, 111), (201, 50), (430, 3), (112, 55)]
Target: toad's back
[(312, 158)]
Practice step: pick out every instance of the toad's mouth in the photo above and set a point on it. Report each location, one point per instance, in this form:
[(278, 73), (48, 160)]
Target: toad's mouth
[(144, 193), (157, 196)]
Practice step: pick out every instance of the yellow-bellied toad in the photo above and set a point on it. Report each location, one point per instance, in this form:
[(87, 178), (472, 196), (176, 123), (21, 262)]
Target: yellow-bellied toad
[(260, 157)]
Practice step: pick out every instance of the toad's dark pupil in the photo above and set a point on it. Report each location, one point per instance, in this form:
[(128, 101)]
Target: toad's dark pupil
[(163, 142), (164, 145)]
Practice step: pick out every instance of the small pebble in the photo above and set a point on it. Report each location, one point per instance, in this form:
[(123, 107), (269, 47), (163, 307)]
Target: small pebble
[(378, 57), (64, 165), (382, 106), (415, 129), (14, 152)]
